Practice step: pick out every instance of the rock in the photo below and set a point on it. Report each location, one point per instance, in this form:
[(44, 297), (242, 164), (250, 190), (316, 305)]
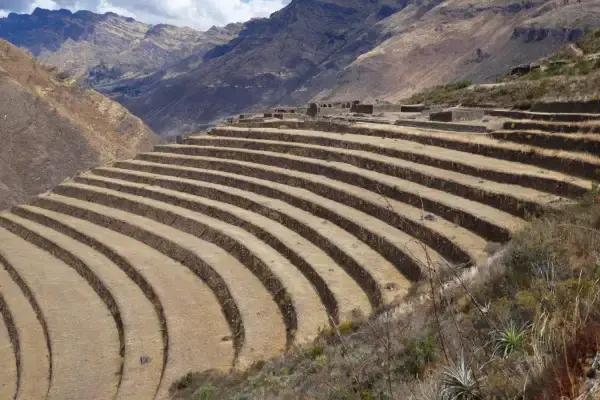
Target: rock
[(145, 360), (590, 372), (428, 217)]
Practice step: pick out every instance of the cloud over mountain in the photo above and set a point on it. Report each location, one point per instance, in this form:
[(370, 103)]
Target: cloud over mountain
[(200, 14)]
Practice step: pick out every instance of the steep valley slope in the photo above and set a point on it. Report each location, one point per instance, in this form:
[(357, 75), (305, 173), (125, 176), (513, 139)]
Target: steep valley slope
[(372, 50), (51, 129), (328, 50)]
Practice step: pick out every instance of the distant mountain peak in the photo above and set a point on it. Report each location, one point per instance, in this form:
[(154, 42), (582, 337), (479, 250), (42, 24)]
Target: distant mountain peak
[(105, 48)]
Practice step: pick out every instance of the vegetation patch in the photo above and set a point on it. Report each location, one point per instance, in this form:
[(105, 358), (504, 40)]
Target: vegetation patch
[(526, 326), (564, 76)]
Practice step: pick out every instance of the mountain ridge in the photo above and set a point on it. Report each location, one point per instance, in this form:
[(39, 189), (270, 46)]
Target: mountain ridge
[(314, 50), (379, 51), (108, 45)]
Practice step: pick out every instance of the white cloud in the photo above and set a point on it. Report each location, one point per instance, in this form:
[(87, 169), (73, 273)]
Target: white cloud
[(199, 14)]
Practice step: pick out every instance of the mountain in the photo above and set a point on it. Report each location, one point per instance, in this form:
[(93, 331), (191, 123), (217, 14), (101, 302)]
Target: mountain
[(372, 50), (107, 48), (51, 127), (359, 49)]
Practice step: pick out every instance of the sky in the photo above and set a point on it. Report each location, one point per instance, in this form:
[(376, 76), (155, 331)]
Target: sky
[(199, 14)]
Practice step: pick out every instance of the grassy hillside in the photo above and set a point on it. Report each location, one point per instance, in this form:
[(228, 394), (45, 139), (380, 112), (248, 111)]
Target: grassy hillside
[(568, 74), (523, 326), (50, 128)]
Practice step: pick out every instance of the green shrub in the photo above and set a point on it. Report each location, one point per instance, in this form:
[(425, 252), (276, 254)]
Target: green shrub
[(458, 85), (346, 327), (420, 352), (321, 360), (367, 395), (316, 351), (205, 393), (527, 299)]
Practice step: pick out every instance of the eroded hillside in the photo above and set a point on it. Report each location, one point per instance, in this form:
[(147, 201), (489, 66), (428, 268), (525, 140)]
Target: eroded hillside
[(51, 129)]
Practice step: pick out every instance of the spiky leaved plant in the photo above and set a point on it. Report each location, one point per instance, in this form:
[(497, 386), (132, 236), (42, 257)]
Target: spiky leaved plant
[(459, 382), (509, 338)]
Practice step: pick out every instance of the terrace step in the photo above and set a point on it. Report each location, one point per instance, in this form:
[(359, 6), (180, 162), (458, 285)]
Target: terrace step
[(455, 243), (83, 336), (141, 327), (560, 172), (305, 213), (385, 156), (233, 246), (182, 300), (33, 358), (299, 302), (541, 116), (582, 143), (487, 222), (338, 291), (240, 293), (590, 127), (442, 126), (30, 232), (8, 361)]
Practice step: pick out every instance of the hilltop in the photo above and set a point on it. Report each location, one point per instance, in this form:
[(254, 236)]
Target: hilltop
[(51, 128)]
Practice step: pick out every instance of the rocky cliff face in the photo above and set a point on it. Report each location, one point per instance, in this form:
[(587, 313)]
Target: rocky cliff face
[(327, 50), (108, 47)]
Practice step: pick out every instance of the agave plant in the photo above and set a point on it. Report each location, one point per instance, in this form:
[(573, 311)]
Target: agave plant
[(459, 382), (509, 338)]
